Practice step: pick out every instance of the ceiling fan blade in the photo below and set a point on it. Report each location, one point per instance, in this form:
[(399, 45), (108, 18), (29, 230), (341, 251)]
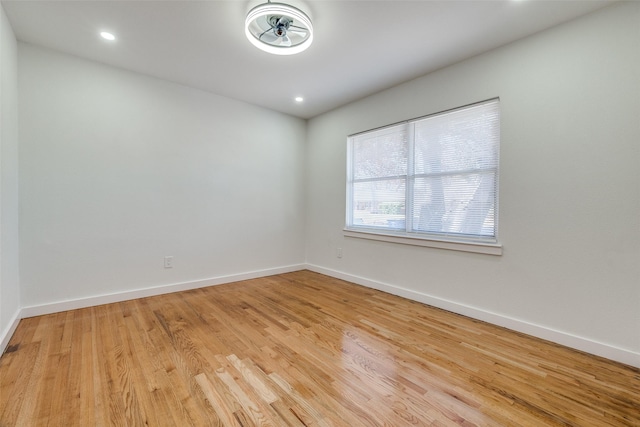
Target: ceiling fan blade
[(269, 37), (299, 32), (285, 41), (263, 33)]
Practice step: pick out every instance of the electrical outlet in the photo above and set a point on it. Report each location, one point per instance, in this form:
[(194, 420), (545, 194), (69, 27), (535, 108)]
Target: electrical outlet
[(339, 252), (168, 262)]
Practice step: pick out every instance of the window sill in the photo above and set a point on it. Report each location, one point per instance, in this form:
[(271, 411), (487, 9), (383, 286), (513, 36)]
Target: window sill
[(476, 247)]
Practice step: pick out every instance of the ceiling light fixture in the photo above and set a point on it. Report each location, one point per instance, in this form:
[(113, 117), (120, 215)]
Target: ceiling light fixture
[(299, 99), (278, 28), (107, 36)]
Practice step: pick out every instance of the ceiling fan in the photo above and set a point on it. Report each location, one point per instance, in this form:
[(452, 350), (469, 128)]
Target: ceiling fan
[(279, 28)]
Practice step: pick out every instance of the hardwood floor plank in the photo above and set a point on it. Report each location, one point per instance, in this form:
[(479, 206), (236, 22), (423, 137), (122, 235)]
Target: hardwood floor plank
[(249, 403), (34, 395), (84, 365), (16, 379), (299, 349)]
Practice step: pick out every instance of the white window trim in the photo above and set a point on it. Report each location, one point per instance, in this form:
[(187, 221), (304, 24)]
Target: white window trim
[(411, 239)]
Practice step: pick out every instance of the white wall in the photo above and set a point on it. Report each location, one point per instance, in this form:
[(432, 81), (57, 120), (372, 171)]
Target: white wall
[(118, 170), (569, 188), (9, 283)]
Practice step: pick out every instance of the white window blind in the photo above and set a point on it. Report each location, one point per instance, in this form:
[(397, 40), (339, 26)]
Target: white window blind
[(435, 177)]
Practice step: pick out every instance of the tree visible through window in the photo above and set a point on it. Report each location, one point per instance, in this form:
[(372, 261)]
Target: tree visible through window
[(433, 177)]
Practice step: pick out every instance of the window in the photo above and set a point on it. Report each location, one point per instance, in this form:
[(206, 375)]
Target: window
[(433, 178)]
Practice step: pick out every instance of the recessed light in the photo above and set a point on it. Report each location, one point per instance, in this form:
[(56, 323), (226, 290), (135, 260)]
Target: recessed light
[(107, 36), (299, 99)]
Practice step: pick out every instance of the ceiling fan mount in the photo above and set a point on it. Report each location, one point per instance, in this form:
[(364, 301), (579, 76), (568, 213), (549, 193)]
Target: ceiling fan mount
[(279, 24)]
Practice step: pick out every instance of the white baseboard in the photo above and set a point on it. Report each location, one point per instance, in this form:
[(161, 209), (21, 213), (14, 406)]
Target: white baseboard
[(580, 343), (55, 307), (587, 345), (6, 335)]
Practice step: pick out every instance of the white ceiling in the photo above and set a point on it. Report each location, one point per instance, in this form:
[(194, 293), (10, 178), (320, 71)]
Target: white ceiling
[(360, 47)]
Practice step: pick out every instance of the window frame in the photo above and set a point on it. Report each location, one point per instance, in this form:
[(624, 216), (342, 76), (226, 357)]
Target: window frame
[(468, 243)]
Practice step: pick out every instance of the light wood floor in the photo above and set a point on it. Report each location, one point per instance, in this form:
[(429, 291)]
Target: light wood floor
[(299, 349)]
